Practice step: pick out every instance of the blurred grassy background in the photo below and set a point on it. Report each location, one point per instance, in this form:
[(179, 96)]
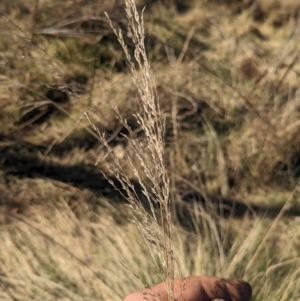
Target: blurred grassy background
[(227, 75)]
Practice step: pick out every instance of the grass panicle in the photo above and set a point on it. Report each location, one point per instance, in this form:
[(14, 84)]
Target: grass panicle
[(156, 228)]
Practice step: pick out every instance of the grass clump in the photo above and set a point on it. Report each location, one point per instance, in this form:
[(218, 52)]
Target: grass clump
[(82, 257)]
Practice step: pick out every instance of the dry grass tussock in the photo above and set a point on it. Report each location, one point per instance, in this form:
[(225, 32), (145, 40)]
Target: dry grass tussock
[(228, 90), (70, 258)]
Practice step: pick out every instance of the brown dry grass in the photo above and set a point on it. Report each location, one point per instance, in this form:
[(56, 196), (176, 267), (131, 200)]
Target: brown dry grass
[(227, 75)]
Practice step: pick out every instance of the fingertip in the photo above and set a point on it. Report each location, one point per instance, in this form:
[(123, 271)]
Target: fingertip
[(247, 291), (244, 290)]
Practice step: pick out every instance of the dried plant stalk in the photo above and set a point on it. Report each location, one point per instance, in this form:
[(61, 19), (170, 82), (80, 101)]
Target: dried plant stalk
[(155, 227)]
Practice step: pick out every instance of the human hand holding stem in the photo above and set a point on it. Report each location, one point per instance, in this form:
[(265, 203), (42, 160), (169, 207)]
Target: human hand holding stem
[(197, 288)]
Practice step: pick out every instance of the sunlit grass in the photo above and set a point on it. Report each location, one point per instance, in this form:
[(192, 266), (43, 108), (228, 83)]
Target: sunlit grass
[(58, 254)]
